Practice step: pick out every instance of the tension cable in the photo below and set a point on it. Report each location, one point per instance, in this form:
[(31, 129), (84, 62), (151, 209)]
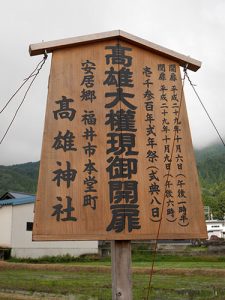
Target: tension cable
[(160, 222), (164, 195), (34, 74), (203, 106)]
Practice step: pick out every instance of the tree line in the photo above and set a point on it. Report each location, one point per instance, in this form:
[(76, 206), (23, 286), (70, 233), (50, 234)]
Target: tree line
[(210, 164)]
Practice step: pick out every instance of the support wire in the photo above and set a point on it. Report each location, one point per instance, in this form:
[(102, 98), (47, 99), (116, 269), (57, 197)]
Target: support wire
[(203, 106), (34, 74), (164, 197), (217, 131)]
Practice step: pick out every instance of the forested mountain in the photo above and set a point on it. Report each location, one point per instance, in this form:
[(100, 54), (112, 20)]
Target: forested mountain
[(19, 178), (211, 169), (210, 163)]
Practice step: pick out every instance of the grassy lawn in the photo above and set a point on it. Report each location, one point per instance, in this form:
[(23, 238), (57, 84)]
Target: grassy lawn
[(140, 259), (162, 264), (182, 261), (96, 283)]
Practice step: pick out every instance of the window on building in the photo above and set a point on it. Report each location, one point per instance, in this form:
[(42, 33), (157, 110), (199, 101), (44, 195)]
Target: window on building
[(29, 226)]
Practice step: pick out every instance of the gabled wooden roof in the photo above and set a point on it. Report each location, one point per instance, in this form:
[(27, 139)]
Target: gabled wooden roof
[(192, 64)]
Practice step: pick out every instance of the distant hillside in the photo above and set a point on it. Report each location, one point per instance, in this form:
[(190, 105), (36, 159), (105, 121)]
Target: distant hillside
[(211, 168), (210, 163), (20, 178)]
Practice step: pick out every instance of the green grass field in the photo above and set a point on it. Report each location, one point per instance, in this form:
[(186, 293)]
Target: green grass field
[(98, 285), (91, 278)]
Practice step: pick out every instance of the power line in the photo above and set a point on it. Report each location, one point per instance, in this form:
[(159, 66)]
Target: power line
[(34, 74), (164, 196), (192, 85), (25, 81), (158, 232)]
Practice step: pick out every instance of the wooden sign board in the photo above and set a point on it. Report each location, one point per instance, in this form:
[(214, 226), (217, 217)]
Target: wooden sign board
[(117, 157)]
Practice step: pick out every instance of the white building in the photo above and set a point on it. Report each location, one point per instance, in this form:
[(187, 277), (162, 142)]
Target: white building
[(16, 222), (216, 228)]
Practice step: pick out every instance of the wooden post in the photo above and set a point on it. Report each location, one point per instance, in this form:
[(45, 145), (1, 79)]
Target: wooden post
[(121, 270)]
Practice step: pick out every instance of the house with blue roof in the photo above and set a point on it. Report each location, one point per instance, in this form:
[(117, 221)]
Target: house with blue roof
[(16, 223)]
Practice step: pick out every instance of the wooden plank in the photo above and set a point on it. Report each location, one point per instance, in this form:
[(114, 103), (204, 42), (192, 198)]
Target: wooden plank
[(182, 60), (121, 270), (153, 132), (106, 237), (50, 46)]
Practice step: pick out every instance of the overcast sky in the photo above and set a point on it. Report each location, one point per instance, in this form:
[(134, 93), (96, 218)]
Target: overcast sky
[(194, 28)]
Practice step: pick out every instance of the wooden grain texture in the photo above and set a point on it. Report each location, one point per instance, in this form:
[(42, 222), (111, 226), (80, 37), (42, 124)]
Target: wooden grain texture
[(161, 129), (182, 60), (121, 270)]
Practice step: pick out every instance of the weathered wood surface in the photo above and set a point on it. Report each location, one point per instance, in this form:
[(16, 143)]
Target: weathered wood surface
[(182, 60), (182, 215), (121, 270)]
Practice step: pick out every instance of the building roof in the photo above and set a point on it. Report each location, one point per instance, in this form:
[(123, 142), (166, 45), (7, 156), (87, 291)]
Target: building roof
[(17, 201), (215, 221), (13, 195), (184, 61)]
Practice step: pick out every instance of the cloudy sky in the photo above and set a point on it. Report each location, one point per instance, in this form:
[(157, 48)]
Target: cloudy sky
[(194, 28)]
